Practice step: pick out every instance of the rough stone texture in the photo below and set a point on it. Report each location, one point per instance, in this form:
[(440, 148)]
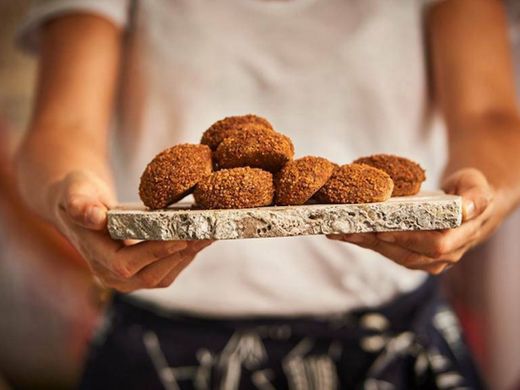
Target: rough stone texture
[(427, 211)]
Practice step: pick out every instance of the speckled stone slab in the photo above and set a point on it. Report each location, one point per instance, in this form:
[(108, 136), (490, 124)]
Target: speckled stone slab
[(426, 211)]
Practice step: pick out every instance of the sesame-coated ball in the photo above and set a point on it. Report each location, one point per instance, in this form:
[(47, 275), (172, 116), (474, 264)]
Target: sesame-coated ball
[(300, 179), (356, 183), (173, 173), (232, 125), (235, 188), (406, 174), (259, 148)]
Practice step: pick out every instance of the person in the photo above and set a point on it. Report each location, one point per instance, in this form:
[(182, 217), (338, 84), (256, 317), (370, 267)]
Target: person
[(121, 80)]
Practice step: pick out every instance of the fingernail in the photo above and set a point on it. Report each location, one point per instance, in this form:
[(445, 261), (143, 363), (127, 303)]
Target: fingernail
[(386, 237), (469, 209)]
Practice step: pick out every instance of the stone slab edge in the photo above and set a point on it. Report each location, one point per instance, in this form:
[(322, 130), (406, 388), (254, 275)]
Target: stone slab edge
[(420, 212)]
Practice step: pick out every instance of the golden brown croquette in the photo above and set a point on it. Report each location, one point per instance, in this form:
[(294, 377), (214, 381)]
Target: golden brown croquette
[(173, 173), (406, 174), (235, 188), (259, 148), (300, 179), (356, 183), (230, 126)]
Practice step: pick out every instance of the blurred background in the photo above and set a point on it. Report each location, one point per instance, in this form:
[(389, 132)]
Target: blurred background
[(49, 305)]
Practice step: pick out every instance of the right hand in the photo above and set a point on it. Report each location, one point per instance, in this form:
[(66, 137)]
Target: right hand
[(79, 205)]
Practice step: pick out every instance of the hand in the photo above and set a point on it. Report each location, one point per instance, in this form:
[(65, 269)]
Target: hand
[(436, 250), (79, 205)]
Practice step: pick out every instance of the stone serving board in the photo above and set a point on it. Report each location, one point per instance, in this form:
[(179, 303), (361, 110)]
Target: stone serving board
[(425, 211)]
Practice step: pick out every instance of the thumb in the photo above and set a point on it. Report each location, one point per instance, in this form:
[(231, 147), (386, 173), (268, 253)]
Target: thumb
[(84, 205), (474, 188), (86, 211)]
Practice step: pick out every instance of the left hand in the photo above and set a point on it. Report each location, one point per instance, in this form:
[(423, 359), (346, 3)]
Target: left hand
[(434, 251)]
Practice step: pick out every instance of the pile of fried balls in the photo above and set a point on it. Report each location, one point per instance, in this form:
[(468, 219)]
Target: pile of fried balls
[(242, 162)]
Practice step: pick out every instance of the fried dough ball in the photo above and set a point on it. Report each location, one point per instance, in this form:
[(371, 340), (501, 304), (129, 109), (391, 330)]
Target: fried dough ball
[(300, 179), (356, 183), (259, 148), (173, 173), (406, 174), (232, 125), (235, 188)]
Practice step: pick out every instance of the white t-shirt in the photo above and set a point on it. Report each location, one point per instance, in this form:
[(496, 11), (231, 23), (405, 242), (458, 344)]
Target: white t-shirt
[(342, 78)]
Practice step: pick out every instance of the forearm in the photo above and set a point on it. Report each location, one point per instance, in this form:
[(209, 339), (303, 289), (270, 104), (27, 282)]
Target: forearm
[(78, 73), (491, 144), (473, 80), (47, 156)]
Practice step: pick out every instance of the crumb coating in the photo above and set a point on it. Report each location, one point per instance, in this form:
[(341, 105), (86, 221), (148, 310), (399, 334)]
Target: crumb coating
[(300, 179), (235, 188), (259, 148), (406, 174), (230, 126), (356, 183), (173, 173)]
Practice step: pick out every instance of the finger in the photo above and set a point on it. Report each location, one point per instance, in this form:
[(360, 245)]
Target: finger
[(439, 243), (451, 259), (96, 247), (474, 202), (437, 266), (93, 244), (129, 260), (163, 272), (396, 253), (195, 246), (475, 190), (85, 210), (175, 272), (427, 243), (120, 260), (114, 263), (86, 199), (151, 275), (391, 251), (434, 243)]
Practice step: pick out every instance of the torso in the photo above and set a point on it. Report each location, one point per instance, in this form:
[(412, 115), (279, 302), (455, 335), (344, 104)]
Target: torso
[(342, 78)]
